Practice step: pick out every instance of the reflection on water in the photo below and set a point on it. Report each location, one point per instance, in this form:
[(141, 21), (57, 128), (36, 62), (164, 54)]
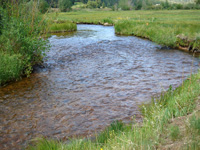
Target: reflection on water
[(92, 77)]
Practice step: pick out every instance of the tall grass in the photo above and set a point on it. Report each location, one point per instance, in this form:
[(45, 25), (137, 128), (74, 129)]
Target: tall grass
[(63, 27), (20, 44), (171, 104), (172, 34)]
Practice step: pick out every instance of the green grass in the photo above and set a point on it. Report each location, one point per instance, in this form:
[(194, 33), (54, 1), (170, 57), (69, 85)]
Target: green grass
[(157, 116), (174, 132), (20, 44), (164, 27), (63, 27), (195, 124), (10, 67)]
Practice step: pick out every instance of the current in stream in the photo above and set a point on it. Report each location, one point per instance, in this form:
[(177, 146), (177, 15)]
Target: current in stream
[(91, 78)]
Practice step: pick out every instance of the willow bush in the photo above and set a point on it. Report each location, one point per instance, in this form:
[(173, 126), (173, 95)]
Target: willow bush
[(20, 44)]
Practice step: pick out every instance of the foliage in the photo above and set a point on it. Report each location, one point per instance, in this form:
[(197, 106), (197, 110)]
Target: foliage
[(107, 20), (174, 132), (115, 128), (125, 4), (63, 27), (43, 6), (11, 67), (19, 42), (92, 4), (65, 5), (195, 124), (130, 4), (197, 1)]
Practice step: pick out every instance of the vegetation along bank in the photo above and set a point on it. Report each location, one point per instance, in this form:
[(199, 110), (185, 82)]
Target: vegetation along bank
[(174, 28), (171, 121), (20, 44), (21, 27)]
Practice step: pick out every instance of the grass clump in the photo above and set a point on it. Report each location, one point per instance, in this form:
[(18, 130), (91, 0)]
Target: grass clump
[(63, 27), (174, 132), (195, 124), (10, 67), (108, 20), (115, 128), (193, 132)]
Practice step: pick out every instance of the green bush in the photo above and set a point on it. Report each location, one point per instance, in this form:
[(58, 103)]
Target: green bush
[(43, 6), (92, 4), (20, 39), (64, 5), (10, 67)]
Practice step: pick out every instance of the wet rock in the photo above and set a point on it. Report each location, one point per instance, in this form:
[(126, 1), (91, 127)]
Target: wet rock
[(107, 24), (165, 48)]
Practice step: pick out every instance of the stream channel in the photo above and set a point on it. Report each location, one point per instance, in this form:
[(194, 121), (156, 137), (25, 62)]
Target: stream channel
[(91, 78)]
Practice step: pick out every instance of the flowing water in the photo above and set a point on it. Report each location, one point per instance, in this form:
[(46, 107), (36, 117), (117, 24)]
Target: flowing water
[(91, 78)]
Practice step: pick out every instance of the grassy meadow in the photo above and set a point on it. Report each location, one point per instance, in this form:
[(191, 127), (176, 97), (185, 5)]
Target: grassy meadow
[(173, 28)]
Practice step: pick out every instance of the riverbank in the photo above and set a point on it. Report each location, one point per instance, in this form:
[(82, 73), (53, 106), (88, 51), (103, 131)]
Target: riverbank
[(174, 28), (20, 44), (58, 26), (160, 125)]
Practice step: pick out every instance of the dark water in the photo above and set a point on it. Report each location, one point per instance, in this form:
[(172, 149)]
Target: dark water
[(92, 77)]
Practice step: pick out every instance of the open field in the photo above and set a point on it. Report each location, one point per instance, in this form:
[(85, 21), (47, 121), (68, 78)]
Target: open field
[(173, 28)]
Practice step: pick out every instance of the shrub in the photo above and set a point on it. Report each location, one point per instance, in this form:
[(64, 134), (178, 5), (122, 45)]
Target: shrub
[(65, 5), (92, 4), (43, 6), (20, 45), (10, 67)]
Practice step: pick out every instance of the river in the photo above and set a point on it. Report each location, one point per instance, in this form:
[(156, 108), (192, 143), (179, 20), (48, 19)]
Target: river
[(91, 78)]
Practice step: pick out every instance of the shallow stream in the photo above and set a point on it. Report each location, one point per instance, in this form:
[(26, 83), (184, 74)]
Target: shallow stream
[(91, 78)]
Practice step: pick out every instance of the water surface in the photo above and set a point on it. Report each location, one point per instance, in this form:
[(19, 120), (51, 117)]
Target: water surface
[(91, 78)]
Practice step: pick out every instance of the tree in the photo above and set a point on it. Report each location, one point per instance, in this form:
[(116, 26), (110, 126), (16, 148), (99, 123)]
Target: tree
[(43, 6), (98, 3), (65, 5), (92, 4), (103, 5), (197, 1), (125, 4)]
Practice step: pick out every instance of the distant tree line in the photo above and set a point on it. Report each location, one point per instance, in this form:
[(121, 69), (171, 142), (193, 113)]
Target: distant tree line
[(65, 5)]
